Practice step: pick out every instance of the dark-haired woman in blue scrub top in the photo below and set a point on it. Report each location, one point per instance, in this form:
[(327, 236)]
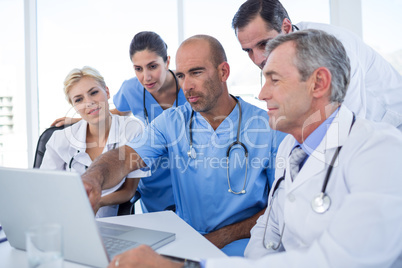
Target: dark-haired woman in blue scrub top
[(153, 90)]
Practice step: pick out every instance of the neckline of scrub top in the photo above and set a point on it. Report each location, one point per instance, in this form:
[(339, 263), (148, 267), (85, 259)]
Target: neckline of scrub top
[(150, 101), (226, 127)]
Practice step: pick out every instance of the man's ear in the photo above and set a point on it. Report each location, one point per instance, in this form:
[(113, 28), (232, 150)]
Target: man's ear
[(321, 82), (286, 26), (224, 71)]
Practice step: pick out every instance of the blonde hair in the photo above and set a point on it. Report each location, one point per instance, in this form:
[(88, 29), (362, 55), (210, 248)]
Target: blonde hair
[(77, 74)]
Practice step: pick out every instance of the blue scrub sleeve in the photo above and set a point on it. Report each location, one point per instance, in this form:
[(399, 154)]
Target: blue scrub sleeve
[(120, 100), (152, 144)]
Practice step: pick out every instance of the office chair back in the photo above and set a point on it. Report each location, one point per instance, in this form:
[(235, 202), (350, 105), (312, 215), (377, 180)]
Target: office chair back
[(41, 146)]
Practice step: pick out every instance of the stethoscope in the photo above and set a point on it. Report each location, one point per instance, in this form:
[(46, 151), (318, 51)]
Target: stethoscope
[(177, 97), (78, 151), (320, 204), (193, 154)]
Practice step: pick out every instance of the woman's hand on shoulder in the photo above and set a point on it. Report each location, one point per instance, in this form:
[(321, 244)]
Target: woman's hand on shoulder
[(115, 111), (64, 121)]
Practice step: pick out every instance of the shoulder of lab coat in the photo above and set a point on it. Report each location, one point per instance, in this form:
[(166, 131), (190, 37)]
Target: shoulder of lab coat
[(365, 226)]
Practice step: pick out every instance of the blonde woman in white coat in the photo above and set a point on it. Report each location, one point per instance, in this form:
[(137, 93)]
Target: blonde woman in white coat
[(75, 147)]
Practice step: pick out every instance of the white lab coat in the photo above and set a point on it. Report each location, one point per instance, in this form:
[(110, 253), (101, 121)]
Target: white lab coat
[(363, 226), (375, 90), (70, 144)]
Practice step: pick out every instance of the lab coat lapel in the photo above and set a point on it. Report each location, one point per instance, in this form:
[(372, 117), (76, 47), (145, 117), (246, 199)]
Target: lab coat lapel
[(318, 162), (76, 135)]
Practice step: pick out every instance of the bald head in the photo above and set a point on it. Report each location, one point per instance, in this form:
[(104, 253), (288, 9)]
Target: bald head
[(216, 53)]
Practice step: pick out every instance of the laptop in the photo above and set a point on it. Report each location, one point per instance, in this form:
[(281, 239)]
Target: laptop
[(31, 197)]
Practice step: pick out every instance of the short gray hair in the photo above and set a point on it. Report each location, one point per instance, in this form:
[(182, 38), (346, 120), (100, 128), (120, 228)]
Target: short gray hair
[(315, 49)]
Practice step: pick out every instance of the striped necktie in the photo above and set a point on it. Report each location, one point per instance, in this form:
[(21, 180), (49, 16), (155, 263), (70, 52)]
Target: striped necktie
[(296, 158)]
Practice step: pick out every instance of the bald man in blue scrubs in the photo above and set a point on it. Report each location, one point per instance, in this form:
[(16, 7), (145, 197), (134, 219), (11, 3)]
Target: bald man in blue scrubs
[(220, 200)]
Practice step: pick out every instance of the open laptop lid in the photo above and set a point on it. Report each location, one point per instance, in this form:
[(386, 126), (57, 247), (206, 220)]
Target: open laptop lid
[(31, 197)]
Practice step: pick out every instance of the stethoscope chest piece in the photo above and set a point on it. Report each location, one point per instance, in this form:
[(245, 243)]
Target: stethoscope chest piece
[(321, 203), (233, 192), (191, 152)]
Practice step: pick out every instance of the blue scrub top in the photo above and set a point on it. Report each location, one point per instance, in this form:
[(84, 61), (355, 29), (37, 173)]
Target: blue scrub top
[(200, 185), (156, 191)]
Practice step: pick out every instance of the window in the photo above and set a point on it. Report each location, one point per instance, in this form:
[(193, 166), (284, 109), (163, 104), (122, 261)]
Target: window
[(215, 18), (98, 33), (72, 34), (13, 142), (381, 29), (307, 10)]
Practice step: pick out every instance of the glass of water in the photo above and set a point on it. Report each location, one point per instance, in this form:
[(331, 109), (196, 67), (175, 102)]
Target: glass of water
[(44, 246)]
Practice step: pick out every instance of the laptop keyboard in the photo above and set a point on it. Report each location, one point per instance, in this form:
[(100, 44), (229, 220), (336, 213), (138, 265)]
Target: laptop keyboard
[(115, 246)]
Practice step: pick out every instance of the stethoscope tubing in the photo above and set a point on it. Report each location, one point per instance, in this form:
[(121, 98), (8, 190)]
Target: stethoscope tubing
[(177, 98), (236, 142), (192, 153), (72, 159), (78, 151), (322, 194)]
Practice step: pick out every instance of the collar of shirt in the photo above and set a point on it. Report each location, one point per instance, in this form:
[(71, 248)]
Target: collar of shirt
[(78, 137), (315, 138)]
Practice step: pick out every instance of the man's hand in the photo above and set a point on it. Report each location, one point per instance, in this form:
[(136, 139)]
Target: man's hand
[(106, 171), (64, 121), (142, 256), (93, 189)]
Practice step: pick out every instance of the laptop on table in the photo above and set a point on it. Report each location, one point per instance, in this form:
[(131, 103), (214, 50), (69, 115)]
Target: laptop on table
[(30, 197)]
